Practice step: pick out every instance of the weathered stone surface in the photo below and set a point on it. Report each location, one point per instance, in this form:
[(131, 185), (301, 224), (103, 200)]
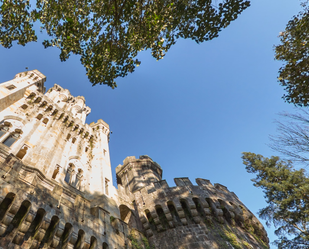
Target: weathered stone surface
[(56, 188)]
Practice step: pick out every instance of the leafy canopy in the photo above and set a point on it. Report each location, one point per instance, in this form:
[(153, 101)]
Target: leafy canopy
[(109, 34), (293, 50), (287, 194)]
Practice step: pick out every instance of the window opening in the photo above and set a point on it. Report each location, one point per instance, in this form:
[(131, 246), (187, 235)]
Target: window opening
[(11, 87), (106, 186), (3, 130), (22, 152), (11, 139), (39, 117), (24, 106), (55, 173), (45, 120)]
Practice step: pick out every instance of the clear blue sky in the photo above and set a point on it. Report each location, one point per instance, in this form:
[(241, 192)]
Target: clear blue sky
[(193, 112)]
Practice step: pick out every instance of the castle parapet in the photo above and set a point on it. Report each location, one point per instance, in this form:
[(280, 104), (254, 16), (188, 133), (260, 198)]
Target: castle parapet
[(162, 208)]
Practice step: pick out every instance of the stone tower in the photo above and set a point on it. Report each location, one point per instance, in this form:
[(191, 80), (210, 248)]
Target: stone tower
[(56, 187)]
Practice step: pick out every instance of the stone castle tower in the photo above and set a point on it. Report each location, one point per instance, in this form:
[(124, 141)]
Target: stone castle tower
[(56, 186)]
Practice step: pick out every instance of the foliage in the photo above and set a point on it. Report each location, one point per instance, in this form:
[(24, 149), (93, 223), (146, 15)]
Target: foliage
[(293, 138), (109, 34), (112, 218), (287, 194), (137, 244), (294, 52)]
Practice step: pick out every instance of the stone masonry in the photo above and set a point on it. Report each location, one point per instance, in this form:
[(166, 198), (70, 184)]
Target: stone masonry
[(56, 186)]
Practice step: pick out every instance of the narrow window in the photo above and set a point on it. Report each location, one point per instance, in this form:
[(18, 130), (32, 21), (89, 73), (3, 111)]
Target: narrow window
[(93, 243), (54, 113), (38, 100), (56, 171), (69, 174), (73, 140), (3, 130), (68, 136), (22, 152), (86, 149), (106, 186), (80, 240), (44, 103), (49, 108), (61, 116)]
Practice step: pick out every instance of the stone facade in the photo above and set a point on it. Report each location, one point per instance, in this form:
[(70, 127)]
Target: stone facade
[(56, 186)]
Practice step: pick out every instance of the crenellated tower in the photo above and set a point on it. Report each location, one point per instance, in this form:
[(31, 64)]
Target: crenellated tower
[(185, 216), (135, 174)]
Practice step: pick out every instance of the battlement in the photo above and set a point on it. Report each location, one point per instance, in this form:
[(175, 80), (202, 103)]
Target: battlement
[(162, 208)]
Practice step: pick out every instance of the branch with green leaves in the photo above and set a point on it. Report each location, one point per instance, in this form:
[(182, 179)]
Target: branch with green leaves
[(108, 35)]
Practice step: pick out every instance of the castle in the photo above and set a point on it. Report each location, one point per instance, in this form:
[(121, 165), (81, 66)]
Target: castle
[(56, 185)]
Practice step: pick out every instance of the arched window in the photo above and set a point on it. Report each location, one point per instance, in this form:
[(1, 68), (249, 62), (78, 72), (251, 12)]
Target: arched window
[(4, 128), (10, 140), (105, 245), (69, 174)]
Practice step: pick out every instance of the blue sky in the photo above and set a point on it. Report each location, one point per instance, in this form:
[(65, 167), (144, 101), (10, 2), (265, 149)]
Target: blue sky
[(193, 112)]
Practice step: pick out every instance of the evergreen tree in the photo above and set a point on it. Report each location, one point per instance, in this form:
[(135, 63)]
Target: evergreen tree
[(287, 194)]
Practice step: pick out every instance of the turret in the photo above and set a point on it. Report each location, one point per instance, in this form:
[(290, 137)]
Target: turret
[(13, 90), (135, 174)]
